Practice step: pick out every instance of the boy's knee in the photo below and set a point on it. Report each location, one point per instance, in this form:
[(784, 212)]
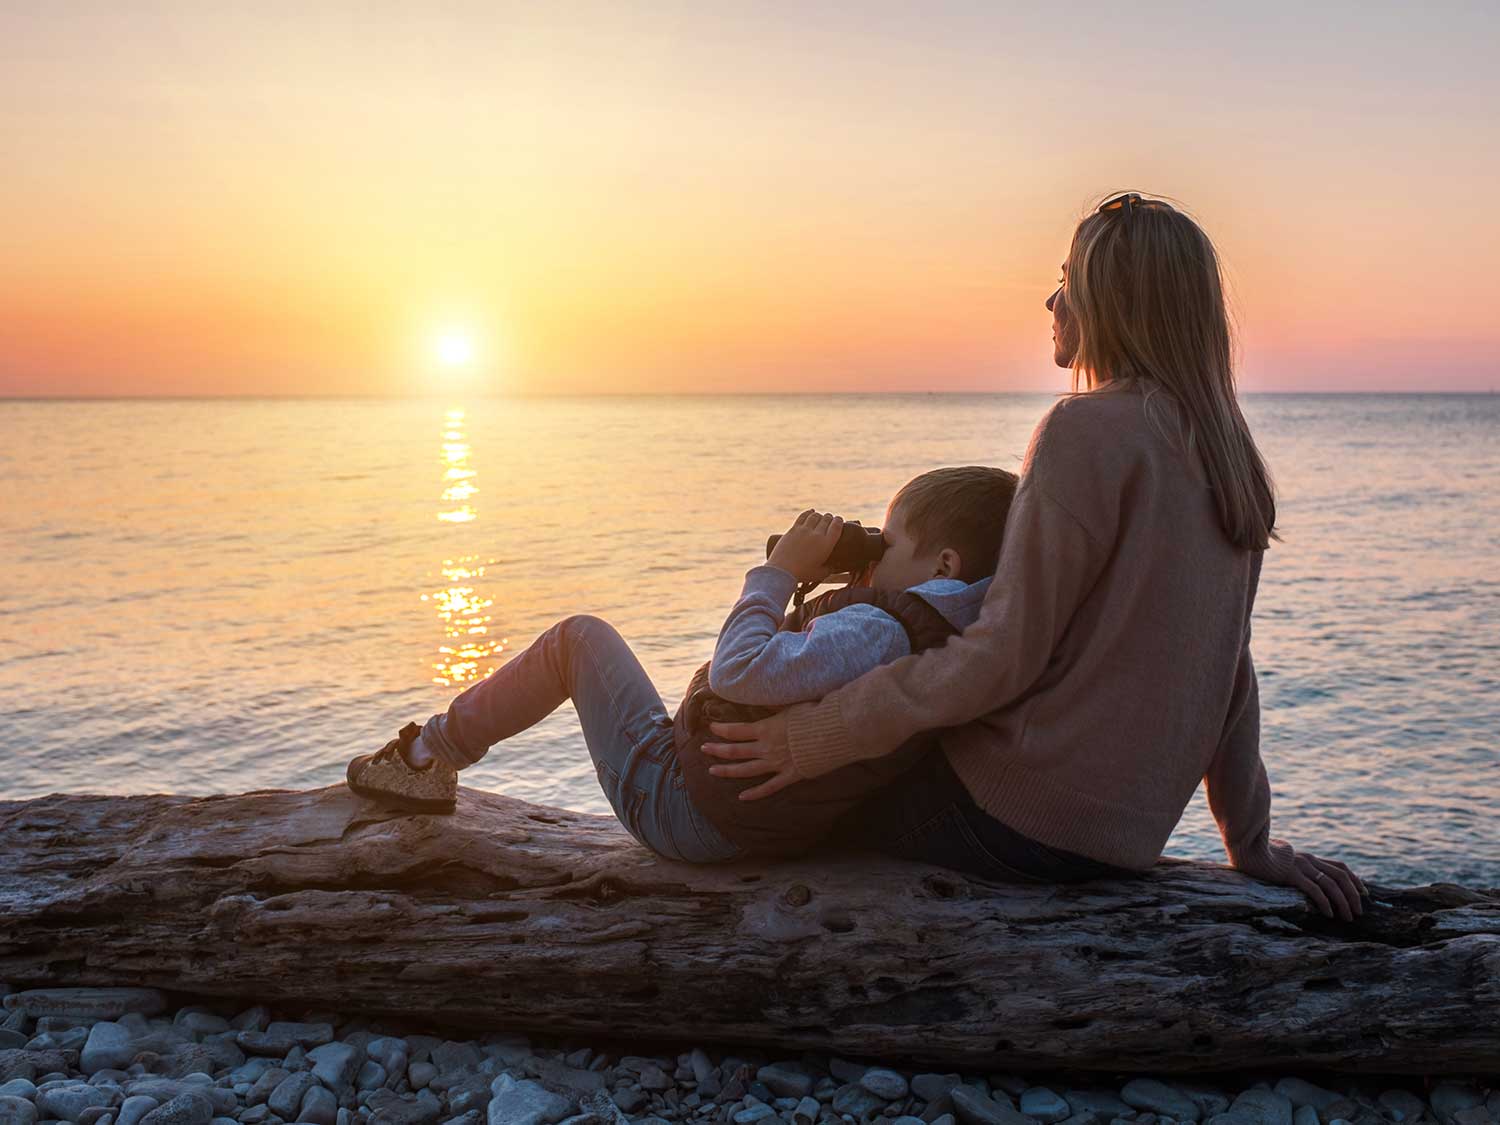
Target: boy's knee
[(585, 625)]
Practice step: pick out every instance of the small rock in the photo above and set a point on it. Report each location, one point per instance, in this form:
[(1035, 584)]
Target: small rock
[(94, 1114), (629, 1099), (305, 1035), (1102, 1103), (1474, 1115), (1448, 1098), (701, 1064), (1259, 1106), (319, 1106), (452, 1055), (16, 1111), (335, 1064), (18, 1088), (1301, 1093), (855, 1100), (108, 1047), (759, 1111), (977, 1108), (654, 1078), (287, 1097), (1305, 1115), (807, 1111), (255, 1114), (419, 1074), (389, 1108), (1012, 1084), (1400, 1105), (256, 1018), (184, 1109), (13, 1040), (883, 1083), (786, 1079), (66, 1102), (931, 1087), (1159, 1098), (1045, 1105), (525, 1103)]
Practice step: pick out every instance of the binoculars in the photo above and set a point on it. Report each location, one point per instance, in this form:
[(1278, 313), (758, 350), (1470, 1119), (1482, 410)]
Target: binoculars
[(856, 549)]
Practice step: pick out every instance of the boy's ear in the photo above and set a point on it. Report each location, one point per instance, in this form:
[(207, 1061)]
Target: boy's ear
[(949, 564)]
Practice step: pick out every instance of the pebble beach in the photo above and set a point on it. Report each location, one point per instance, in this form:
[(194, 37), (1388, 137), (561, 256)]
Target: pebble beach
[(124, 1056)]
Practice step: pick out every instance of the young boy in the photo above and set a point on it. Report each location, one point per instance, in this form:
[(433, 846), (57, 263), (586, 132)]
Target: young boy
[(942, 532)]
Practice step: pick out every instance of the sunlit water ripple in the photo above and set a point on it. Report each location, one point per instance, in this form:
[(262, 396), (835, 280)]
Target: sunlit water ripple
[(207, 596)]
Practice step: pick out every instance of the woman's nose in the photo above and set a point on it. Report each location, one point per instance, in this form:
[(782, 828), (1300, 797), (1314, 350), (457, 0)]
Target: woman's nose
[(1053, 299)]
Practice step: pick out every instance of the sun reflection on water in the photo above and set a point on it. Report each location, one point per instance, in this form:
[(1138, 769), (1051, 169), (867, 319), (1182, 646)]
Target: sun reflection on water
[(461, 605)]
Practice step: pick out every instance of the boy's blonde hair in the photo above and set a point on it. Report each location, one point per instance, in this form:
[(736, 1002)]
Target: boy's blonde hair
[(963, 507)]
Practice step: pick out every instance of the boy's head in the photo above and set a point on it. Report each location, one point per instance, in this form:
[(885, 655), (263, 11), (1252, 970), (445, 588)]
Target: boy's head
[(947, 523)]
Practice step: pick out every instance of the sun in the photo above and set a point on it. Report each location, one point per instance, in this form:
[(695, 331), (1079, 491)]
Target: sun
[(454, 348)]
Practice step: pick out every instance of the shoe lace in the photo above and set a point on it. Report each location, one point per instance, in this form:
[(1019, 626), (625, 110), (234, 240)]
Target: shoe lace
[(392, 750)]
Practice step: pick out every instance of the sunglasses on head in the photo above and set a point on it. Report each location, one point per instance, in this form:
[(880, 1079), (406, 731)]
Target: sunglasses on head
[(1124, 204)]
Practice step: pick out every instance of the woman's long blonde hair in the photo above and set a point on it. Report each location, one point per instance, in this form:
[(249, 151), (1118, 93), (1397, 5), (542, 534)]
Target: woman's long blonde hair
[(1146, 293)]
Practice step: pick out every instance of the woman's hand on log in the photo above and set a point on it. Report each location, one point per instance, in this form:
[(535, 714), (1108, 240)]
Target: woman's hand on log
[(754, 749), (1330, 885)]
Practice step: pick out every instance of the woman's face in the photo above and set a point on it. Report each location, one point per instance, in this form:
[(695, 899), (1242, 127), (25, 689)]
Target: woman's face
[(1064, 328)]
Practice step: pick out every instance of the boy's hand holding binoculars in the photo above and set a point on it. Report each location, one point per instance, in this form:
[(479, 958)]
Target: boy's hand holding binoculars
[(803, 551)]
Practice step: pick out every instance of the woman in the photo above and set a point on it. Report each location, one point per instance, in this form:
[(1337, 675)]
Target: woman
[(1109, 671)]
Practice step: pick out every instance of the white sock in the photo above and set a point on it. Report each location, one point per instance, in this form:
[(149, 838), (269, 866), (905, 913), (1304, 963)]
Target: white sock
[(418, 755)]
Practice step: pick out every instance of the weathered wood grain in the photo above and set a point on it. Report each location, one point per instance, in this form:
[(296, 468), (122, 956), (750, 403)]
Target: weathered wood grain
[(508, 914)]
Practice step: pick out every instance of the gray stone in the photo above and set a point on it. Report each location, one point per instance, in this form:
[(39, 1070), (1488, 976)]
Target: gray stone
[(255, 1114), (107, 1048), (1305, 1115), (786, 1079), (1448, 1098), (806, 1112), (261, 1088), (758, 1111), (975, 1107), (451, 1055), (12, 1040), (390, 1108), (18, 1088), (557, 1073), (855, 1100), (1474, 1115), (185, 1109), (372, 1076), (223, 1121), (1259, 1106), (883, 1083), (1087, 1117), (66, 1102), (1045, 1105), (654, 1078), (256, 1018), (1401, 1105), (95, 1114), (420, 1074), (135, 1107), (250, 1070), (943, 1119), (1101, 1103), (471, 1095), (335, 1064), (525, 1103), (931, 1087), (319, 1106), (16, 1111), (87, 1004), (204, 1023), (1300, 1093), (303, 1034), (1013, 1084), (700, 1062), (1159, 1098), (287, 1097)]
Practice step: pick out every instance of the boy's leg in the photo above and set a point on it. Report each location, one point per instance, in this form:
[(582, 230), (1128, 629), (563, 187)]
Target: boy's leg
[(625, 725)]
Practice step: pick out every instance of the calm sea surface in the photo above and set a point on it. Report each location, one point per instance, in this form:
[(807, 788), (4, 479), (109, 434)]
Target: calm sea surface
[(211, 596)]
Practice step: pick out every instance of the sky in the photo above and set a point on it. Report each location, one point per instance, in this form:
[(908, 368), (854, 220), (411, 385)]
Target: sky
[(354, 199)]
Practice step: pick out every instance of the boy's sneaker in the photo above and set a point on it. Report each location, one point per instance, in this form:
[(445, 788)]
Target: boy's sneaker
[(387, 777)]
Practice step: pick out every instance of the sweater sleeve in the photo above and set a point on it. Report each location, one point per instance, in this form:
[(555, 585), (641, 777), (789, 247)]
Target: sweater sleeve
[(1048, 562), (1239, 793), (757, 662)]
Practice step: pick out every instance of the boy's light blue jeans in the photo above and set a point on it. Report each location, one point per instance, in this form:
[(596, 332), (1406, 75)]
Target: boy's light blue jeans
[(625, 725)]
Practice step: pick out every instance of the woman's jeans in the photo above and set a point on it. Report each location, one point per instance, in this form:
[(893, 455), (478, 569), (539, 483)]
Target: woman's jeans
[(926, 814), (626, 727)]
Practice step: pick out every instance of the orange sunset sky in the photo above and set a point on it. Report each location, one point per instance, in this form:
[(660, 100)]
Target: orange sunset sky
[(305, 198)]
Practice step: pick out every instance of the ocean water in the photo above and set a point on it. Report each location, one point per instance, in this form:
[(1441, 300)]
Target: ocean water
[(211, 596)]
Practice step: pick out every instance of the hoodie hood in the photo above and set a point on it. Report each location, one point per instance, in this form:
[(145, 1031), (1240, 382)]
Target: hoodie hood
[(958, 601)]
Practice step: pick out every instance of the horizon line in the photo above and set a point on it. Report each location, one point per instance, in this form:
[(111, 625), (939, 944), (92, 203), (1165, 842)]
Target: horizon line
[(426, 397)]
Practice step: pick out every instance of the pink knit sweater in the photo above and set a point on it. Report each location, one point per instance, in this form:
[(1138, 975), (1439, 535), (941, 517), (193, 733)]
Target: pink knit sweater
[(1109, 671)]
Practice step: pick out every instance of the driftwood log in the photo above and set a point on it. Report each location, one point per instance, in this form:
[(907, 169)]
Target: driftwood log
[(512, 915)]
